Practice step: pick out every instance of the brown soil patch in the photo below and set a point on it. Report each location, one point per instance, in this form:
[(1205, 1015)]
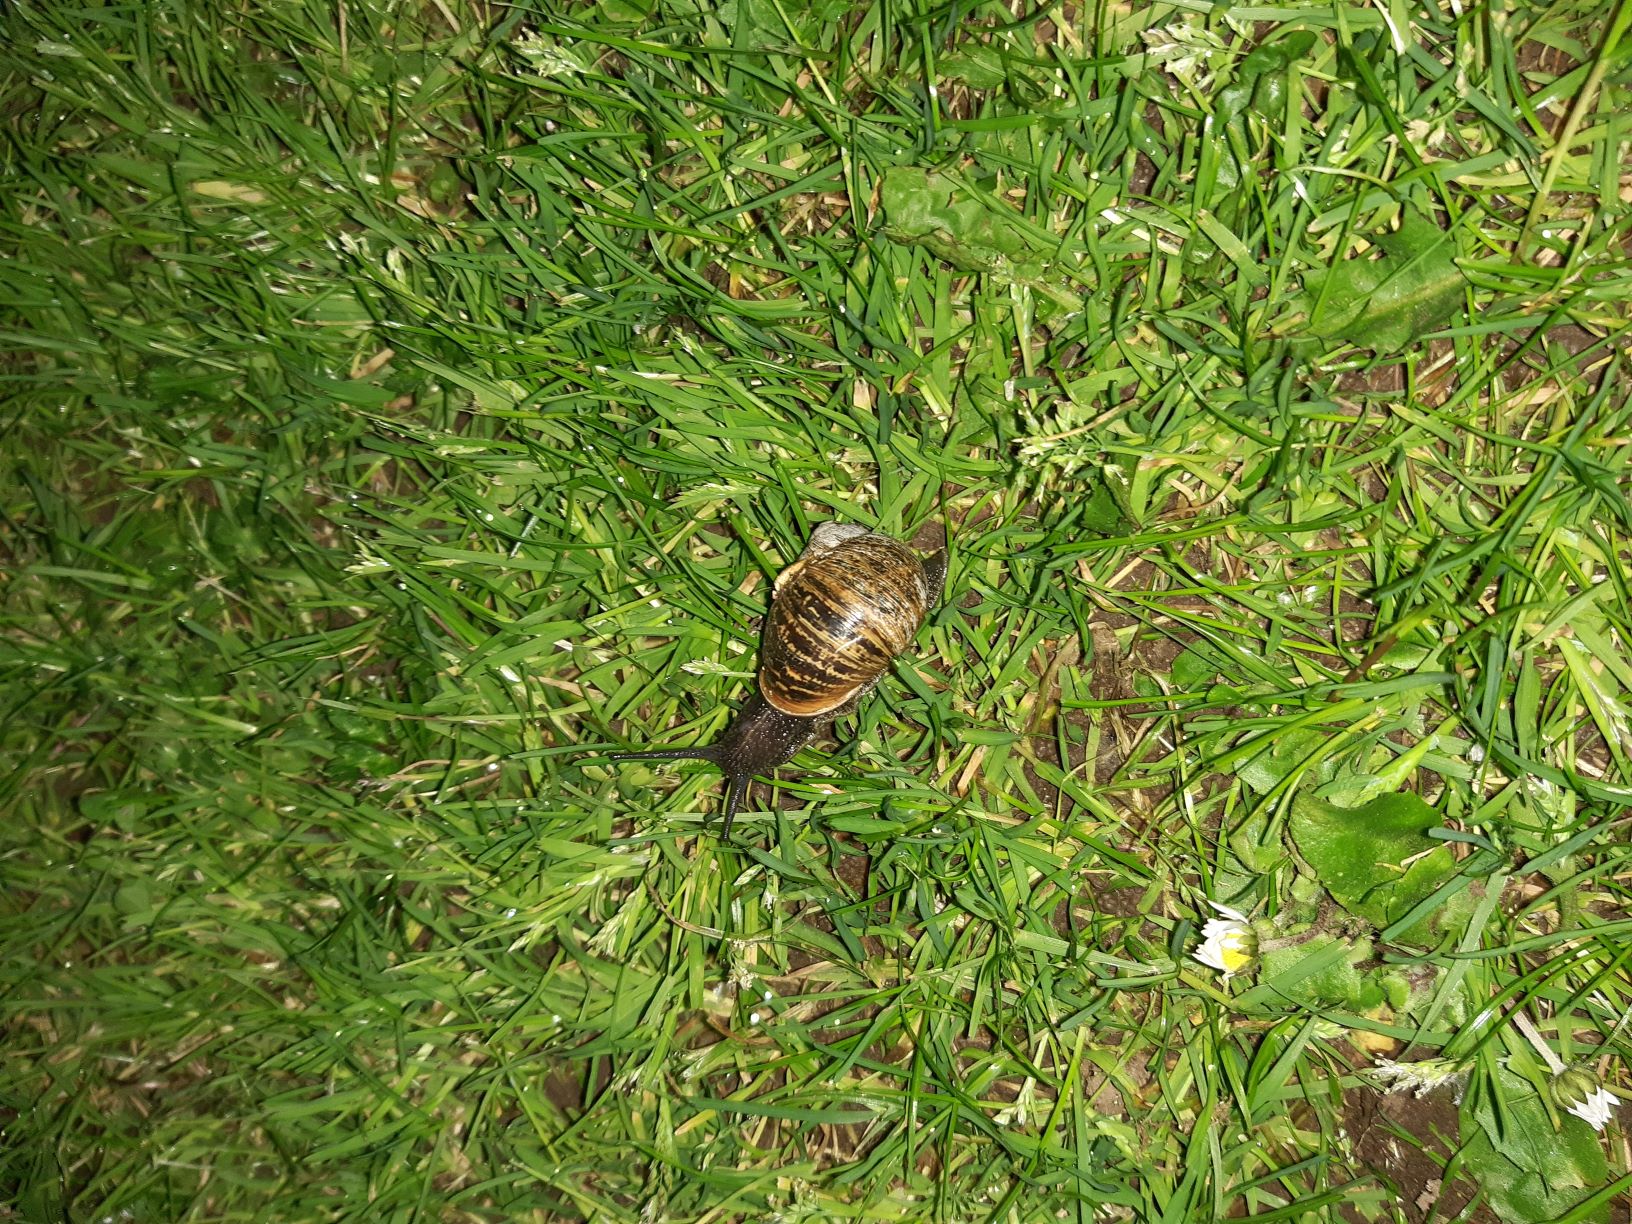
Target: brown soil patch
[(1406, 1141)]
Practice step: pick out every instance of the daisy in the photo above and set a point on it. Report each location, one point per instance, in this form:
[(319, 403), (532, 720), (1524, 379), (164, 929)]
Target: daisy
[(1228, 944)]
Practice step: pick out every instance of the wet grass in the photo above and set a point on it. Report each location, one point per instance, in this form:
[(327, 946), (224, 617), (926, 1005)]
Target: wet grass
[(401, 400)]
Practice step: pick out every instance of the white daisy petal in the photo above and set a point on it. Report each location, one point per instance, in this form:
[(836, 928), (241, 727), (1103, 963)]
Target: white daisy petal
[(1597, 1109), (1227, 944)]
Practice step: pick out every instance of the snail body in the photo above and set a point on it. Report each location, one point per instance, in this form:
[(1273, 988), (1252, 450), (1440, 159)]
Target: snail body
[(839, 614)]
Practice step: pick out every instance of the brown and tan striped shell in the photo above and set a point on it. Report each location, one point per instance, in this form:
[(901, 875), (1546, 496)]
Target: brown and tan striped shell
[(851, 603)]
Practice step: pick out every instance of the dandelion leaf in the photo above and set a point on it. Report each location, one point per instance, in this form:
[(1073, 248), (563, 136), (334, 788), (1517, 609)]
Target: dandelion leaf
[(1528, 1171), (1376, 860), (974, 231), (1387, 300), (1282, 754), (1323, 971)]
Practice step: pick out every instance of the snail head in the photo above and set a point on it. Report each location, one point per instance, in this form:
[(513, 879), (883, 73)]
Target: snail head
[(760, 738)]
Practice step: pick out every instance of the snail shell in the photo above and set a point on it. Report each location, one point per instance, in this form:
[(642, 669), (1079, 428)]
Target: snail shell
[(851, 603)]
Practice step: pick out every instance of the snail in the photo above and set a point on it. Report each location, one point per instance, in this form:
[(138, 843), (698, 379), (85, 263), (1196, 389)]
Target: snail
[(852, 601)]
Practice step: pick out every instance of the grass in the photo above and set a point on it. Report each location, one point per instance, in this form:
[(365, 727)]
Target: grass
[(405, 400)]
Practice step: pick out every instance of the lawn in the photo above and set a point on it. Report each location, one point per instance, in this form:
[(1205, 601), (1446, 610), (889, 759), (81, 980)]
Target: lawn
[(407, 404)]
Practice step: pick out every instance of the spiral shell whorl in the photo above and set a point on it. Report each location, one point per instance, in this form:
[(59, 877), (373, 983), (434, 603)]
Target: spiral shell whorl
[(851, 603)]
